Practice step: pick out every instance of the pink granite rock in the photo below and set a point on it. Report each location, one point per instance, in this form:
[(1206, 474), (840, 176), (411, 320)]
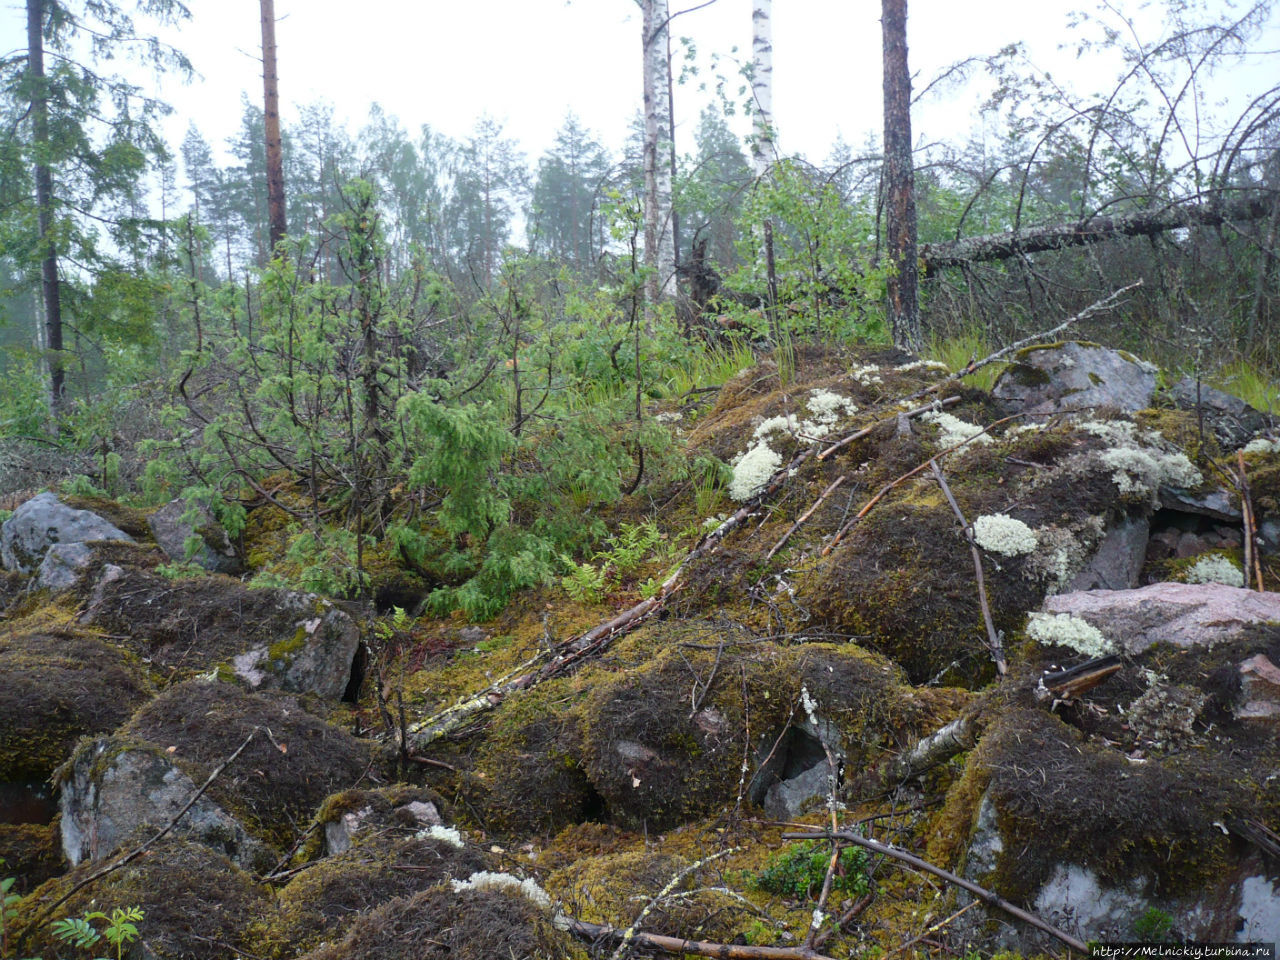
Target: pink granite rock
[(1186, 614)]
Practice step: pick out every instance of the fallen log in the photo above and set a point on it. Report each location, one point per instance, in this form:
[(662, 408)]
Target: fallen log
[(1060, 236)]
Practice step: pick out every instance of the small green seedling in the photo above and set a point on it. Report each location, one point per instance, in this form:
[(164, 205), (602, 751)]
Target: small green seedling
[(120, 930)]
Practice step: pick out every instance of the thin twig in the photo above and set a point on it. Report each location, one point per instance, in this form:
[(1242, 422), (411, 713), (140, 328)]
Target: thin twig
[(629, 934), (859, 434), (805, 516), (993, 638), (1252, 562), (675, 945), (983, 894)]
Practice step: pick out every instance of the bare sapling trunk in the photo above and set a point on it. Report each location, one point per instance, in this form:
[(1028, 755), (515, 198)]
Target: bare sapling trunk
[(271, 122), (899, 181), (659, 250)]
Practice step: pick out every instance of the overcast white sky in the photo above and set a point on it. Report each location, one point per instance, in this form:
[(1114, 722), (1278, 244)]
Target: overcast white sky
[(525, 62)]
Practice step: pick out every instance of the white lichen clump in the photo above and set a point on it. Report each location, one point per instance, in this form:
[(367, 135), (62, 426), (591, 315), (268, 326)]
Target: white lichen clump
[(866, 375), (488, 880), (921, 365), (1215, 568), (952, 431), (1064, 630), (436, 832), (826, 407), (1000, 533), (753, 470), (1262, 445), (1143, 471)]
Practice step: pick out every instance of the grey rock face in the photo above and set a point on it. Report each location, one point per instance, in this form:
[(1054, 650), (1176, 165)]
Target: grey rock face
[(43, 521), (1117, 562), (1185, 614), (1074, 376), (172, 532), (1232, 421), (62, 565), (318, 659), (112, 790)]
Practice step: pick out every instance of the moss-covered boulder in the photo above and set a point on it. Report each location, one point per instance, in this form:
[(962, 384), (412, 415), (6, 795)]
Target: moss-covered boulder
[(59, 684), (253, 809), (1073, 376), (180, 525), (321, 901), (295, 642), (32, 854), (196, 904), (1142, 794), (440, 923), (396, 811)]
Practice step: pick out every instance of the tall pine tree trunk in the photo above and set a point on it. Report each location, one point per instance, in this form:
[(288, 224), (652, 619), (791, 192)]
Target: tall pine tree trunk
[(659, 254), (899, 181), (763, 149), (51, 293), (271, 120)]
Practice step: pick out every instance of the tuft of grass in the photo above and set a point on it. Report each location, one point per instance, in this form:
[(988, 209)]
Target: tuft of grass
[(958, 350), (709, 366), (1251, 383)]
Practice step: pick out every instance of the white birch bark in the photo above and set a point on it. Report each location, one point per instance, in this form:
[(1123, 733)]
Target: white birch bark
[(763, 150), (659, 250)]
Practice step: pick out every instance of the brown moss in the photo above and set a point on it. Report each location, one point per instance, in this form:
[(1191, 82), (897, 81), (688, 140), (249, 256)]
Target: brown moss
[(280, 779), (59, 684), (529, 777), (385, 812), (438, 923), (320, 901), (32, 854), (196, 904)]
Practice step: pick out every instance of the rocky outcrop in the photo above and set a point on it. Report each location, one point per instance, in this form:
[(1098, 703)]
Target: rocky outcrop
[(1183, 614), (173, 529), (41, 522), (1232, 421), (1072, 376)]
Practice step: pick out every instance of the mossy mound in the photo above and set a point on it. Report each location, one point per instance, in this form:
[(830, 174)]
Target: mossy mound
[(293, 762), (439, 923), (59, 684), (665, 737), (529, 776), (186, 627), (614, 888), (1059, 798), (129, 519), (321, 900), (196, 904), (400, 810)]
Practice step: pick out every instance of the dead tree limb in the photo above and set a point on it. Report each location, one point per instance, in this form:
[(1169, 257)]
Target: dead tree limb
[(1060, 236), (858, 435), (993, 637), (629, 934), (940, 746), (983, 894), (729, 951)]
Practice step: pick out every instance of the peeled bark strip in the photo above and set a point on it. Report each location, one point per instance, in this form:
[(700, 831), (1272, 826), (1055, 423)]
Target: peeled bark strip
[(955, 738)]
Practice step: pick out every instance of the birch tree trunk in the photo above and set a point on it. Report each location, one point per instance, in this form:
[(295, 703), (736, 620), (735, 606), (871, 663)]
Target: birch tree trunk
[(50, 291), (899, 181), (659, 251), (271, 122), (763, 151)]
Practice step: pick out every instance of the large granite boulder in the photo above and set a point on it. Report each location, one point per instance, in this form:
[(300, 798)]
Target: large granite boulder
[(269, 639), (1064, 377), (145, 773), (1232, 421), (43, 521), (173, 529)]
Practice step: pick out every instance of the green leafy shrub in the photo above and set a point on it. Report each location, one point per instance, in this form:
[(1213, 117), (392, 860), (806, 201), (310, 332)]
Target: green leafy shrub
[(799, 870), (120, 929)]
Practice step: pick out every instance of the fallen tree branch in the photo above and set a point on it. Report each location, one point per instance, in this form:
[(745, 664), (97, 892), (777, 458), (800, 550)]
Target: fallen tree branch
[(629, 934), (993, 637), (1144, 223), (728, 951), (142, 848), (940, 746), (1252, 562), (983, 894), (858, 435)]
